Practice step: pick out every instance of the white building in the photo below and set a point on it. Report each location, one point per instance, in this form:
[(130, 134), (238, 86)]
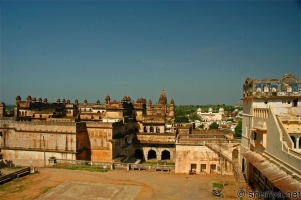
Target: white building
[(271, 135), (211, 116)]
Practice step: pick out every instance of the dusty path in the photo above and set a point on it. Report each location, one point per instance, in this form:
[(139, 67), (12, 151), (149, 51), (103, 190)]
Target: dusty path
[(153, 185)]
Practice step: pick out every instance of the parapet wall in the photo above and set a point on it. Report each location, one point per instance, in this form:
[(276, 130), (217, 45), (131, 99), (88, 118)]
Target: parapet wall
[(155, 138), (69, 127)]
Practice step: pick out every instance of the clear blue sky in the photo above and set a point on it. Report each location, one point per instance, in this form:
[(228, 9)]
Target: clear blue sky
[(201, 52)]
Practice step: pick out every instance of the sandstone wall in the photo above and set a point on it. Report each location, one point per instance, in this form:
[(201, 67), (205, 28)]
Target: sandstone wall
[(187, 155)]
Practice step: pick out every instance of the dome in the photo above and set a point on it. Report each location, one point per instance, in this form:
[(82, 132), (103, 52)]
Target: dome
[(2, 103), (34, 99), (97, 102), (64, 101), (76, 101), (85, 101), (199, 110), (28, 98), (45, 100), (18, 98), (210, 110), (40, 99), (68, 101), (58, 100), (150, 102), (124, 98), (221, 109), (172, 101), (107, 99)]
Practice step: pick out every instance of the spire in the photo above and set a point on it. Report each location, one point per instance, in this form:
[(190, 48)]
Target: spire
[(162, 99)]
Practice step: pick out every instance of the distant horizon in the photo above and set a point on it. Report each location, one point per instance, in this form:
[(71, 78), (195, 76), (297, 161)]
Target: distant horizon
[(200, 52)]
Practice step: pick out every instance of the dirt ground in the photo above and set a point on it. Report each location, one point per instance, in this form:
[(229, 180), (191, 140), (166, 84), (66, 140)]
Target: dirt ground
[(152, 185)]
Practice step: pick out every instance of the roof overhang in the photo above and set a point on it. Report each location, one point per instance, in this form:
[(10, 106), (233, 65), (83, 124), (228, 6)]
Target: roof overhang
[(278, 177)]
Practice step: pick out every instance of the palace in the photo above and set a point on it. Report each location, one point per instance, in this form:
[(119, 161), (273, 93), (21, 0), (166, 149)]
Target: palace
[(112, 131), (271, 134)]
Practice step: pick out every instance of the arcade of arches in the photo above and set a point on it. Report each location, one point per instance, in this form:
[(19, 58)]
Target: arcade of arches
[(151, 153)]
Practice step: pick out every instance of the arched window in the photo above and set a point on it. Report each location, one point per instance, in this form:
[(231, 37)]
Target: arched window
[(158, 129), (151, 129), (235, 155)]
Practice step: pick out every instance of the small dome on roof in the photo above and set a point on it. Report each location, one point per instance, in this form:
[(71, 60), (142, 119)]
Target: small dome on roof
[(221, 109), (18, 98), (40, 99), (64, 101), (150, 102), (125, 98), (76, 101), (97, 102), (45, 100), (107, 99), (58, 100), (28, 98), (85, 101), (210, 110), (199, 110), (172, 101), (34, 99), (68, 101), (2, 103)]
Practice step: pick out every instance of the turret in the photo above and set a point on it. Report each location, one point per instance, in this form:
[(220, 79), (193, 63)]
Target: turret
[(2, 109), (107, 99)]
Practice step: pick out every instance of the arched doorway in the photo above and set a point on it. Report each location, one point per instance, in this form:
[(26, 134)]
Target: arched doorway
[(139, 154), (294, 140), (151, 155), (165, 155), (235, 155)]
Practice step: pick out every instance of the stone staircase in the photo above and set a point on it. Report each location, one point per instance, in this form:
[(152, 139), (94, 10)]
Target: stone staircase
[(236, 168)]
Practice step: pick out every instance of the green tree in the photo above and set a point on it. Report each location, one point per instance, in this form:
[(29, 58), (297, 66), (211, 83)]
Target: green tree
[(201, 126), (238, 129), (193, 116), (230, 120), (181, 119), (214, 125)]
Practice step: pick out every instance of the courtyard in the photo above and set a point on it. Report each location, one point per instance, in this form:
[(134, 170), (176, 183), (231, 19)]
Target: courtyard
[(51, 183)]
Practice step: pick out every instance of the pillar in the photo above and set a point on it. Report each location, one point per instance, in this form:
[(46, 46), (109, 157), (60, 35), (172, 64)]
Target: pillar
[(297, 143), (158, 155)]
